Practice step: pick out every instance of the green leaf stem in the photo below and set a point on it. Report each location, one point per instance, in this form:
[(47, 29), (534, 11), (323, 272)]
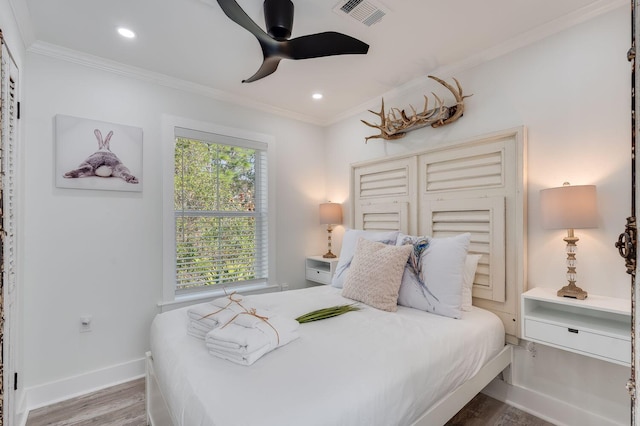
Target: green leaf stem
[(325, 313)]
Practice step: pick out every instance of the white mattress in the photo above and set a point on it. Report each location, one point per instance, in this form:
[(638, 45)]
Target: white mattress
[(368, 367)]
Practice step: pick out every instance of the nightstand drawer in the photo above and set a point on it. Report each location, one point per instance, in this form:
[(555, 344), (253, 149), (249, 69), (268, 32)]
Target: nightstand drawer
[(320, 269), (318, 275), (575, 339)]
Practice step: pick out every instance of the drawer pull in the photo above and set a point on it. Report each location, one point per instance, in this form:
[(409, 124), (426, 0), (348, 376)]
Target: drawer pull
[(573, 330)]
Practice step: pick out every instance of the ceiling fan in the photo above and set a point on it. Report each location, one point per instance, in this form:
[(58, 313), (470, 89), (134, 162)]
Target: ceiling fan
[(275, 43)]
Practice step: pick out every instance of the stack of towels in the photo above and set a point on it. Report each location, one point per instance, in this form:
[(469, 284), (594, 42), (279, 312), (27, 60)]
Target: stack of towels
[(236, 331), (206, 316)]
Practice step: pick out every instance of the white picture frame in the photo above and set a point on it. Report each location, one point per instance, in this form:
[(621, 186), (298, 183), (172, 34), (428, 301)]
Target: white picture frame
[(92, 154)]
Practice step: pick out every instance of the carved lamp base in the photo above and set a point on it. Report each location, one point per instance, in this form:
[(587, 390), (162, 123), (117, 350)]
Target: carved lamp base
[(572, 291), (329, 255)]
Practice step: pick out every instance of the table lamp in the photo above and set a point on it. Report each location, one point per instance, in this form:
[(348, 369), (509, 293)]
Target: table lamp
[(330, 214), (570, 207)]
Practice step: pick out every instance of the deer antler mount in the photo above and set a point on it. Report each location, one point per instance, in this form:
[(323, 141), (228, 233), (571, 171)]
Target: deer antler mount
[(396, 123)]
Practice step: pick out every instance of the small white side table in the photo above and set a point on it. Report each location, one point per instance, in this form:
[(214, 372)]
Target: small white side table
[(320, 269), (599, 326)]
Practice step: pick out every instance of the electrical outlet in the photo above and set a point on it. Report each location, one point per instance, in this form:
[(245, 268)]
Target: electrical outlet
[(85, 323)]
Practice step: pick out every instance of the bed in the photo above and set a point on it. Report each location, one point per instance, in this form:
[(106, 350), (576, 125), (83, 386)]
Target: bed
[(366, 367), (374, 367)]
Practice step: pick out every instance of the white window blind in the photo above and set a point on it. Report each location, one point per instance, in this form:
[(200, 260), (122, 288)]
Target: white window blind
[(220, 203)]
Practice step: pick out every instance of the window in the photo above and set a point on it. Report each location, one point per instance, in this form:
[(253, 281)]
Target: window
[(219, 212)]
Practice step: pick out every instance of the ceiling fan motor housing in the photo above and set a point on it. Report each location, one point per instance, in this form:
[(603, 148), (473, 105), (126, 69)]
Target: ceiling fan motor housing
[(278, 17)]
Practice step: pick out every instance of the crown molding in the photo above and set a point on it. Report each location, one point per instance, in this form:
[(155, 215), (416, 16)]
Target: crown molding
[(541, 32), (102, 64)]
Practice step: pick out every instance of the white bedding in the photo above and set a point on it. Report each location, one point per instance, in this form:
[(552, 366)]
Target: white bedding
[(368, 367)]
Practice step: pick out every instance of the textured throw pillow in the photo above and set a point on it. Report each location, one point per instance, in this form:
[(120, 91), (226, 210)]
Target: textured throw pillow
[(470, 266), (349, 242), (434, 274), (375, 274)]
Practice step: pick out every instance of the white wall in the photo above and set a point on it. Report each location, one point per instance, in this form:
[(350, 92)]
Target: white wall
[(572, 91), (99, 253)]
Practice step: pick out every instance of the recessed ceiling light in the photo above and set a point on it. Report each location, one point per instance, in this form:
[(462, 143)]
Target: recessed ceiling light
[(126, 32), (317, 96)]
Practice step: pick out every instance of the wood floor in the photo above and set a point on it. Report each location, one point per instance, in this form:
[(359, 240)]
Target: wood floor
[(483, 410), (123, 405)]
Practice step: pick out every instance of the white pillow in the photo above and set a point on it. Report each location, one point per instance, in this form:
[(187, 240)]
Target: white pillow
[(349, 241), (375, 274), (470, 266), (434, 274)]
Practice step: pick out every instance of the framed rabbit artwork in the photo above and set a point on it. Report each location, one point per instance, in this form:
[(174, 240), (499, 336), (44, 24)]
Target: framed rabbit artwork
[(93, 154)]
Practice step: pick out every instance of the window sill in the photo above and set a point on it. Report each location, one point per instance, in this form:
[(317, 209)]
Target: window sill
[(205, 296)]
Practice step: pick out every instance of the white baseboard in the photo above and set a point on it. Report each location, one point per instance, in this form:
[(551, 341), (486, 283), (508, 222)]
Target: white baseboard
[(544, 407), (52, 392)]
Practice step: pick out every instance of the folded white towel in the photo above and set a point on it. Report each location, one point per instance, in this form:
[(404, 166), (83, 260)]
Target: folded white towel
[(252, 318), (243, 359), (204, 317), (239, 339), (245, 345), (197, 329)]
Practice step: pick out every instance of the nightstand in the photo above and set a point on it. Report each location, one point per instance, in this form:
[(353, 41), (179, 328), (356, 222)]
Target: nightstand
[(599, 327), (320, 269)]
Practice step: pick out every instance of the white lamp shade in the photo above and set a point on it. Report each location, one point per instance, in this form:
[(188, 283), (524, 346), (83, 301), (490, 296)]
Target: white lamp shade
[(569, 207), (330, 214)]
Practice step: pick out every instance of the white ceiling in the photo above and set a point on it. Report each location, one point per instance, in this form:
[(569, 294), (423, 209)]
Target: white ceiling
[(193, 41)]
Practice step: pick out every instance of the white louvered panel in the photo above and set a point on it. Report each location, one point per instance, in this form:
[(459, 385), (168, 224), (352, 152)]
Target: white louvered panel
[(459, 184), (395, 179), (389, 189), (383, 193), (481, 279), (478, 224), (484, 219), (8, 151), (480, 239), (469, 159), (385, 175), (8, 193), (464, 172), (383, 217), (471, 170), (384, 183), (381, 221)]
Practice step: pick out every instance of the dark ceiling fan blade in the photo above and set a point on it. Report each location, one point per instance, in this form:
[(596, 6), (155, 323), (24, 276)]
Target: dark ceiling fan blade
[(323, 44), (269, 66), (233, 10)]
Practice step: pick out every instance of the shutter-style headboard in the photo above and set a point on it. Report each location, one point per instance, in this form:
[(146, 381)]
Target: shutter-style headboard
[(477, 186)]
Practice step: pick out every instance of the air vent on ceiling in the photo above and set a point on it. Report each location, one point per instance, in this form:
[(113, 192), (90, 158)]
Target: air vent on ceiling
[(365, 11)]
